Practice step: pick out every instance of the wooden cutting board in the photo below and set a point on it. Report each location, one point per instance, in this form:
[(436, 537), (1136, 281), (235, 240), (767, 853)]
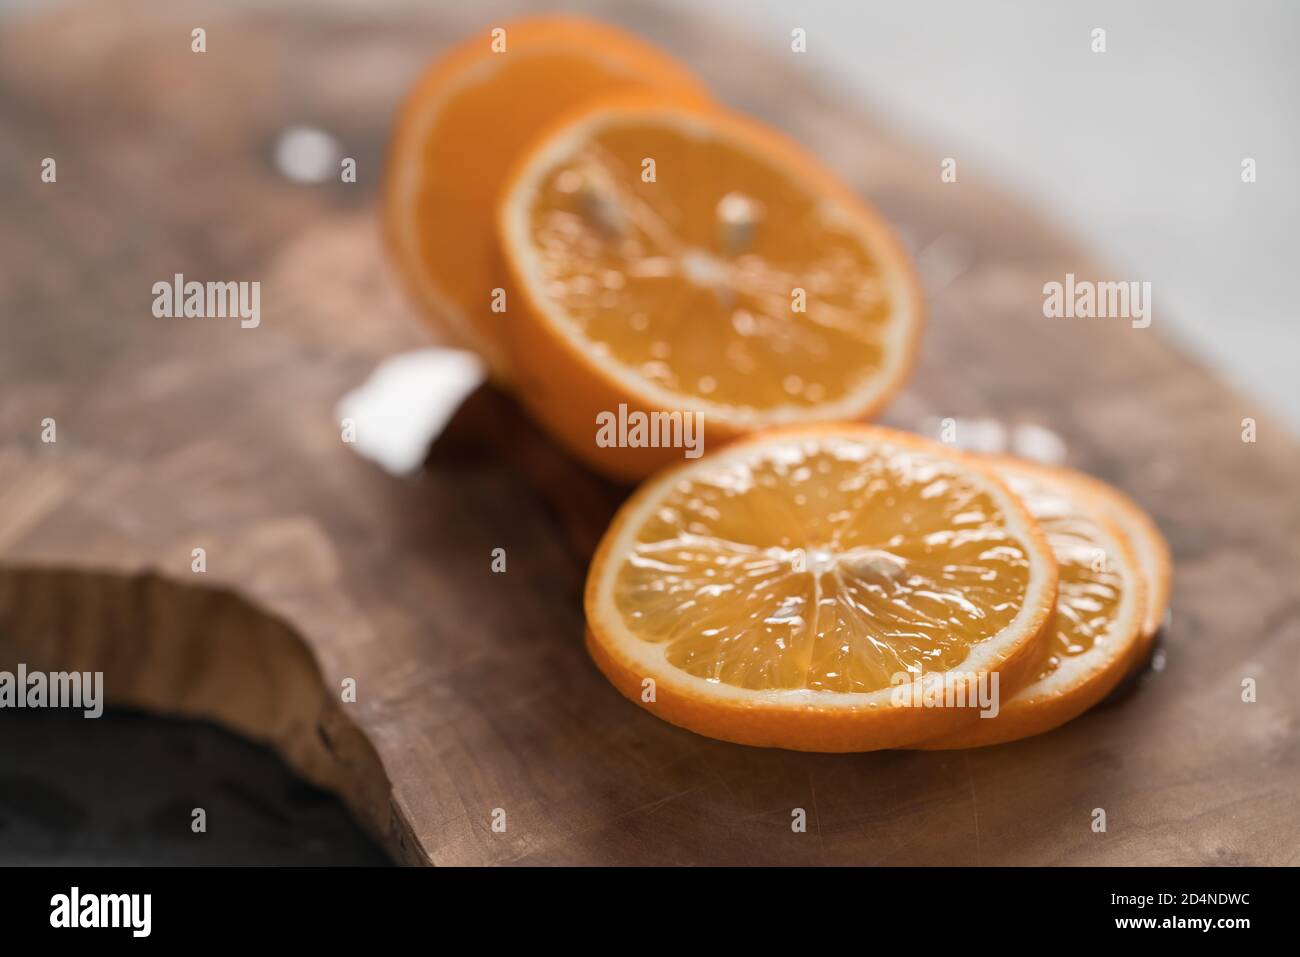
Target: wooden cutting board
[(473, 689)]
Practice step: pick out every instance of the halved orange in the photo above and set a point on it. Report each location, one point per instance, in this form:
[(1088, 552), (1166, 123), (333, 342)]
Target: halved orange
[(781, 592), (1100, 608), (459, 130), (675, 259)]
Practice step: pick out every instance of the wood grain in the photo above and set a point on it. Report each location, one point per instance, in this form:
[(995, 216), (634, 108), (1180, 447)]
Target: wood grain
[(474, 691)]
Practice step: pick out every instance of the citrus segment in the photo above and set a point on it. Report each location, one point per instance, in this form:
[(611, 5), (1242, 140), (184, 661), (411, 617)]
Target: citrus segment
[(675, 258), (464, 124), (777, 592), (1100, 608)]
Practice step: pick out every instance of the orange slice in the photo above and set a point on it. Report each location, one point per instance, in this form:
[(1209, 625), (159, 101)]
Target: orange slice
[(672, 259), (1153, 555), (459, 130), (1100, 609), (782, 591)]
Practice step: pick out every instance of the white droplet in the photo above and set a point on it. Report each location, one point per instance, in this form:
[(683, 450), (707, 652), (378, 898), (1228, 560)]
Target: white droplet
[(743, 322), (702, 269), (738, 217), (1038, 443), (307, 155)]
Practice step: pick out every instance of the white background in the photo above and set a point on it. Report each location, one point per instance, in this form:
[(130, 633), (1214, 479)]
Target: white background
[(1137, 150)]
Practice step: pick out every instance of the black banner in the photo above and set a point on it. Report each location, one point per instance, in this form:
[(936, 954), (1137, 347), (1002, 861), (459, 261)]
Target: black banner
[(332, 906)]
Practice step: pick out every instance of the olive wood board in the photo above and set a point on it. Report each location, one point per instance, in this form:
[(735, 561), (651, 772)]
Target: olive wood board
[(474, 691)]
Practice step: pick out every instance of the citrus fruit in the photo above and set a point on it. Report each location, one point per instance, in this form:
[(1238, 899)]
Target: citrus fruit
[(463, 125), (1100, 608), (668, 258), (780, 592), (1152, 550)]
